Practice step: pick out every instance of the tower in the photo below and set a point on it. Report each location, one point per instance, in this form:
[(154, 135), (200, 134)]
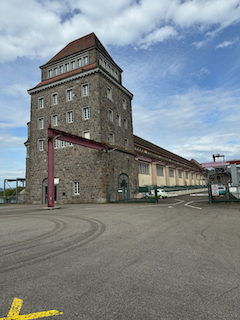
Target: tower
[(81, 93)]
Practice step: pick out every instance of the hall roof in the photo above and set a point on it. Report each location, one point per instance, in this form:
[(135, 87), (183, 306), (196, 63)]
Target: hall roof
[(166, 156)]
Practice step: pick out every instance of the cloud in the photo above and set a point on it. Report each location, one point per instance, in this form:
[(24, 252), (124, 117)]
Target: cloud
[(200, 44), (225, 44), (194, 124), (158, 35), (17, 90), (41, 28)]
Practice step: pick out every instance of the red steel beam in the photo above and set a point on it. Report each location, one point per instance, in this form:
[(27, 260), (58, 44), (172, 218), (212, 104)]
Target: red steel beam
[(68, 137)]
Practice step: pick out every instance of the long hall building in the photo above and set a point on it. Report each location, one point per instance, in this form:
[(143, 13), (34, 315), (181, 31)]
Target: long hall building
[(81, 93)]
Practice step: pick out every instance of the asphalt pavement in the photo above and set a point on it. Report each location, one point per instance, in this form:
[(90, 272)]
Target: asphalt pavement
[(176, 259)]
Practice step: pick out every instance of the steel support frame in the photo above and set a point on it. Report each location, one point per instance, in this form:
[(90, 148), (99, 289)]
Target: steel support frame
[(64, 136)]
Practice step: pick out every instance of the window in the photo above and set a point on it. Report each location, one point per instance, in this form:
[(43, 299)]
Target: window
[(76, 186), (85, 90), (55, 143), (54, 120), (111, 138), (50, 73), (54, 99), (160, 171), (192, 175), (69, 117), (40, 123), (124, 104), (40, 145), (63, 144), (40, 103), (186, 175), (85, 60), (69, 95), (126, 143), (171, 173), (61, 69), (179, 173), (125, 123), (27, 149), (110, 115), (79, 63), (55, 71), (86, 134), (67, 67), (143, 168), (118, 120), (109, 93), (73, 65), (86, 113)]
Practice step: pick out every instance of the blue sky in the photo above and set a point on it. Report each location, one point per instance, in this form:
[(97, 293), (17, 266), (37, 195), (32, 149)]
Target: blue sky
[(180, 60)]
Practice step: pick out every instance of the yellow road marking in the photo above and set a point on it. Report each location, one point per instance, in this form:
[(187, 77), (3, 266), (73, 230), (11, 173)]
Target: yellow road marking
[(16, 306)]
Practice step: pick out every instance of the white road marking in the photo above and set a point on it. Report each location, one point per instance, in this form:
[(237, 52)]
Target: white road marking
[(188, 205)]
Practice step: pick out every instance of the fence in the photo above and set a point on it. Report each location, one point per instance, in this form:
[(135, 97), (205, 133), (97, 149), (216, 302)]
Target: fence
[(223, 193), (9, 199)]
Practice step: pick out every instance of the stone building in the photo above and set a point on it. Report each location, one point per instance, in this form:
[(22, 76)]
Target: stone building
[(81, 93)]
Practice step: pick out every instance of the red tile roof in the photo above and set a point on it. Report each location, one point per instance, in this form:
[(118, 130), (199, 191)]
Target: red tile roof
[(65, 75), (83, 43)]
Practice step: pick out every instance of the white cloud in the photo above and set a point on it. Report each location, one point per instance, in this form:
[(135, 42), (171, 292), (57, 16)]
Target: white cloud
[(36, 28), (158, 35), (17, 90), (225, 44), (194, 124)]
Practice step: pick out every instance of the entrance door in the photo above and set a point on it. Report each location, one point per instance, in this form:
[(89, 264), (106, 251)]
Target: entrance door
[(123, 184)]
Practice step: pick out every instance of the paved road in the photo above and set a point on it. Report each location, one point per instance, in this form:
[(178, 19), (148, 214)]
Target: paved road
[(122, 261)]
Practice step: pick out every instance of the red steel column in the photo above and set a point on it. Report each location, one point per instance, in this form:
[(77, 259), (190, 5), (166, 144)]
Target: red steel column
[(50, 169)]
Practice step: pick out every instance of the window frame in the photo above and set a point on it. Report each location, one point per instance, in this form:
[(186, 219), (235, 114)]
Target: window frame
[(109, 93), (55, 94), (110, 115), (124, 104), (53, 120), (84, 132), (143, 168), (118, 120), (41, 103), (67, 116), (40, 144), (172, 172), (85, 85), (76, 186), (111, 139), (41, 123), (160, 172), (126, 143), (69, 94), (84, 113), (125, 124)]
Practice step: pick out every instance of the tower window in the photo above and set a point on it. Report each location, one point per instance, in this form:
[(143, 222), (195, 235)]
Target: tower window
[(76, 188), (86, 113), (40, 123), (40, 103), (110, 115), (54, 98), (54, 120), (69, 117), (69, 95), (85, 90), (109, 93), (111, 138)]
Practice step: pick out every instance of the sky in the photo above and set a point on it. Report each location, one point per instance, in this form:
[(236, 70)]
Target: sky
[(180, 60)]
